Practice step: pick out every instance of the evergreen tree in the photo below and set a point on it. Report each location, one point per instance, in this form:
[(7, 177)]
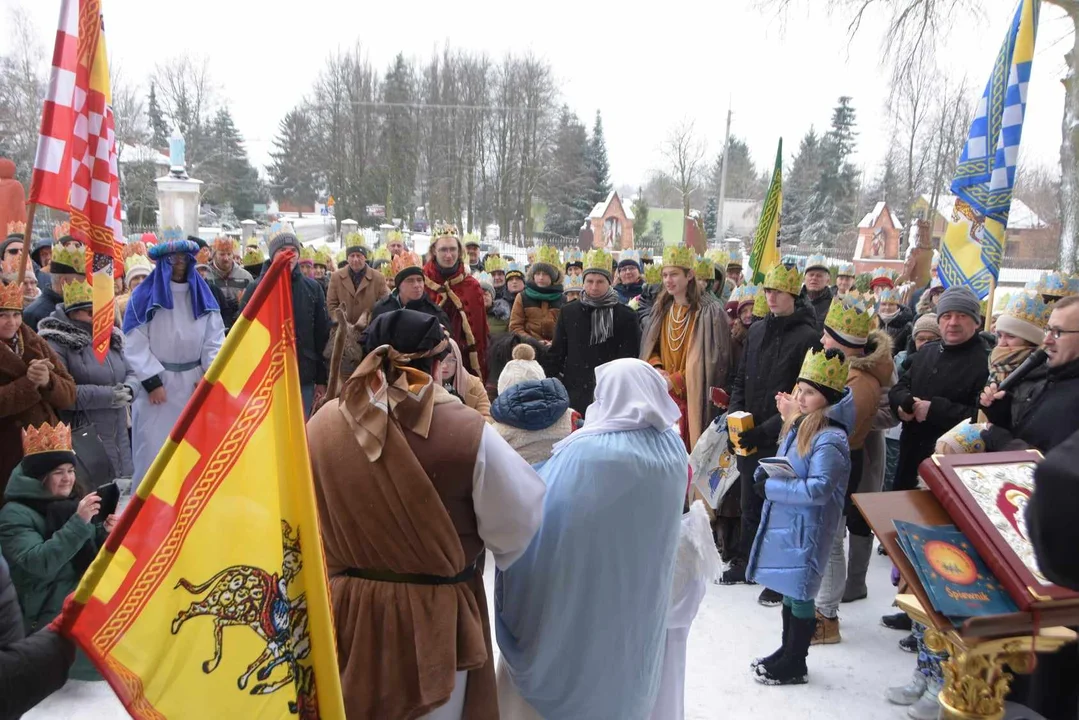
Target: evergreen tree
[(400, 139), (569, 200), (799, 185), (230, 179), (293, 175), (887, 187), (139, 192), (834, 202), (657, 232), (599, 168), (743, 180), (711, 217), (158, 127), (640, 215)]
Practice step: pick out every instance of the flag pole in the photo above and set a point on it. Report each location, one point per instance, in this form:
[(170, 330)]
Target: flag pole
[(28, 238), (989, 303)]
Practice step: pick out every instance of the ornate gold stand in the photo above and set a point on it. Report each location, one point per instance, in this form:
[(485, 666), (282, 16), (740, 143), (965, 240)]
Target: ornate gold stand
[(975, 680)]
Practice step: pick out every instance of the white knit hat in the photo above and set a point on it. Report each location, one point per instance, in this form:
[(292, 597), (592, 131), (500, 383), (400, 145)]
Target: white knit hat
[(522, 367)]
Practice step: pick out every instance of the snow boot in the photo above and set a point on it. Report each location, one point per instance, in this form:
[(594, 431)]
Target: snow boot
[(774, 657), (910, 693), (736, 575), (928, 705), (861, 549), (791, 669), (827, 632), (769, 598)]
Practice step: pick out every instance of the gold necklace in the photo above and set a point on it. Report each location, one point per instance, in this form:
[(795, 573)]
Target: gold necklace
[(677, 327)]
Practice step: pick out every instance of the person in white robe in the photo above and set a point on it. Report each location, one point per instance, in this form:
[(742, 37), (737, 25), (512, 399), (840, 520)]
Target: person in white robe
[(581, 617), (173, 332)]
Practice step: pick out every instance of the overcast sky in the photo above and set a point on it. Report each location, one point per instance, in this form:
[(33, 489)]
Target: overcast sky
[(644, 65)]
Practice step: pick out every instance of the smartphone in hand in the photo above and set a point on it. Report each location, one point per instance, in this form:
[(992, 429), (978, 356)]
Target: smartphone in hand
[(110, 498)]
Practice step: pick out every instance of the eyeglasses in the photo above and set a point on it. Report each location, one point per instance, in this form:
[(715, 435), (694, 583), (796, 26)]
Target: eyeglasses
[(1057, 332)]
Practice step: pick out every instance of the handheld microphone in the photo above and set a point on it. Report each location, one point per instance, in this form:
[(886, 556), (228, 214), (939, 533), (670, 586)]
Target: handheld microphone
[(1036, 359)]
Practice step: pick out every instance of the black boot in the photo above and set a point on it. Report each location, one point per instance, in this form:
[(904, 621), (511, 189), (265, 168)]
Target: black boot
[(774, 657), (791, 669)]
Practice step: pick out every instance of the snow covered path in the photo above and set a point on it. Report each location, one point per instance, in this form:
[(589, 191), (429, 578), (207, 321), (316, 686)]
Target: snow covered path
[(845, 680)]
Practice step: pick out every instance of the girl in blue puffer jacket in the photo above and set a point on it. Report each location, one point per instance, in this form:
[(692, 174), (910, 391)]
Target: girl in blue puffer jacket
[(801, 513)]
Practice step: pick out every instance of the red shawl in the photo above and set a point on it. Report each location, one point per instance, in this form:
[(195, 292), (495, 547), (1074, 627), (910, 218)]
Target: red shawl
[(461, 297)]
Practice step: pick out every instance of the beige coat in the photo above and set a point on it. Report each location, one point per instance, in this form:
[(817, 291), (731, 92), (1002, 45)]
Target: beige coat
[(355, 301), (476, 397)]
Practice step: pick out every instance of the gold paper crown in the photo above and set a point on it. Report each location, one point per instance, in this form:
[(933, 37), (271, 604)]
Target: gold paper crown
[(354, 239), (10, 296), (138, 261), (72, 257), (254, 256), (138, 247), (849, 318), (549, 255), (822, 370), (494, 263), (47, 438), (720, 257), (784, 279), (224, 244), (381, 253), (79, 292), (307, 255), (322, 257), (16, 228), (883, 276), (387, 270), (61, 230), (442, 231), (760, 304), (390, 236), (473, 239), (704, 269), (679, 256), (598, 259), (653, 274), (202, 257)]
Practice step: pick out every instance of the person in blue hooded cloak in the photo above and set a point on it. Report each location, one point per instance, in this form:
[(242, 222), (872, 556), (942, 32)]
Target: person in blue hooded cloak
[(581, 617)]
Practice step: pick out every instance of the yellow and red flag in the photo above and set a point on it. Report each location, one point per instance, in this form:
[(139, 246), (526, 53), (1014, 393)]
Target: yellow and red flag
[(210, 597), (75, 168)]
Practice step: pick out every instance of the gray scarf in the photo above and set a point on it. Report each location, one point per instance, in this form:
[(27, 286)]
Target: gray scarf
[(602, 316)]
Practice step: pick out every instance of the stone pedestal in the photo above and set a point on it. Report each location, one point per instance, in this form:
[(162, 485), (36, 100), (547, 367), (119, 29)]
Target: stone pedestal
[(247, 230), (178, 200)]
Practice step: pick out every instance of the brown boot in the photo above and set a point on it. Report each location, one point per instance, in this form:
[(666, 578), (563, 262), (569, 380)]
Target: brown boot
[(827, 632)]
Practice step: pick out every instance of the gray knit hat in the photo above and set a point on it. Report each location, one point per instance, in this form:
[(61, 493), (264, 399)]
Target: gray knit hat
[(926, 323), (961, 299), (281, 240)]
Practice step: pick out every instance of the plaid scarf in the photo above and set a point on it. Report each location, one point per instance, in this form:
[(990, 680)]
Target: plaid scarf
[(1004, 360)]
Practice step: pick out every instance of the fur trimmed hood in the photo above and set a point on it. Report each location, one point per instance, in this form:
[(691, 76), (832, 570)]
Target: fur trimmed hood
[(63, 331), (878, 358)]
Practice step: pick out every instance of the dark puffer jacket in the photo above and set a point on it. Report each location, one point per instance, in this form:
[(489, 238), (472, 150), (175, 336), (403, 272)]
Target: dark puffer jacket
[(775, 349), (31, 668), (820, 305), (1042, 411), (312, 324)]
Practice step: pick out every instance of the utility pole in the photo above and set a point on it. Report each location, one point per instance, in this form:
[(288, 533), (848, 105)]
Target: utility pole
[(720, 227)]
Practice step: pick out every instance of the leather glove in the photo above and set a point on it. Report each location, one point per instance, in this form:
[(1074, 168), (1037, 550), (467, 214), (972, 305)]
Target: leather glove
[(122, 396), (755, 437), (759, 488)]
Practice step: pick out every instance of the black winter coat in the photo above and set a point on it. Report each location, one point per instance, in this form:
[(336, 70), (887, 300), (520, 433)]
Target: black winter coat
[(899, 328), (573, 359), (31, 668), (820, 306), (951, 377), (392, 302), (1052, 511), (42, 307), (312, 324), (1042, 411), (774, 351)]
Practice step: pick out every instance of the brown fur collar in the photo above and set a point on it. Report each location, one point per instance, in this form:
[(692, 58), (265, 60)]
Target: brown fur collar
[(878, 361)]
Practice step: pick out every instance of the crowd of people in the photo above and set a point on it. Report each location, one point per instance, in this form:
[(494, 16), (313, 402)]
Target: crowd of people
[(547, 415)]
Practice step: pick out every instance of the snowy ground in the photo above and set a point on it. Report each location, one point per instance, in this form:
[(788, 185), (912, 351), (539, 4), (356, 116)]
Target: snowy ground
[(846, 681)]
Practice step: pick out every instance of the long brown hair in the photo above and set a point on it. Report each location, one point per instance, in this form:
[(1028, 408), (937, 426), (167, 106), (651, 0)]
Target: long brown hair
[(808, 429), (693, 294)]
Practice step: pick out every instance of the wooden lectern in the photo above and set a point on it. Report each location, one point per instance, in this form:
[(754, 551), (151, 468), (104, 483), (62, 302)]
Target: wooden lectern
[(976, 677)]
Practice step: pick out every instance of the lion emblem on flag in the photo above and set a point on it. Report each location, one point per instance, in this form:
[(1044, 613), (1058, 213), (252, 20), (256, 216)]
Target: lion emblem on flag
[(244, 595)]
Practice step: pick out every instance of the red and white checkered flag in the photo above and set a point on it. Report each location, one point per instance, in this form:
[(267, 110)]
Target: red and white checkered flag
[(52, 164)]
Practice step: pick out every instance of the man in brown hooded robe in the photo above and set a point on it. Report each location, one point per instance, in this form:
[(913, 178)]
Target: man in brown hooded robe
[(412, 488)]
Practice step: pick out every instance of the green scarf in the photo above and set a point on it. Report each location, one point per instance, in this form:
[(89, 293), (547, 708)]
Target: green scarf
[(553, 293)]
